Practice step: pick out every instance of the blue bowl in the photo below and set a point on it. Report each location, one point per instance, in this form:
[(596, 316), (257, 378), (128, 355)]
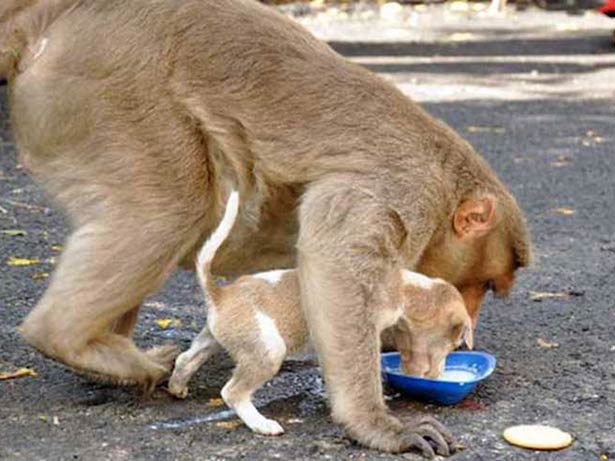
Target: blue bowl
[(476, 365)]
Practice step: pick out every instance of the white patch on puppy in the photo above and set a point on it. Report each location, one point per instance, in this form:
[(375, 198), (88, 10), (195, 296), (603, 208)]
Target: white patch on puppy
[(271, 277), (248, 413), (211, 318), (419, 280), (270, 335)]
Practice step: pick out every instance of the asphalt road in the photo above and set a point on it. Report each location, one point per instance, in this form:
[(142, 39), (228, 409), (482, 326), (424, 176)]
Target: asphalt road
[(535, 93)]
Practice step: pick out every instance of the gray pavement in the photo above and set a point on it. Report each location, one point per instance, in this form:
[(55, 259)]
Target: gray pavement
[(535, 93)]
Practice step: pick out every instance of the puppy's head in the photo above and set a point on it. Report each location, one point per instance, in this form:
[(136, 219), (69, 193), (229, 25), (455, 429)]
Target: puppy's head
[(435, 322)]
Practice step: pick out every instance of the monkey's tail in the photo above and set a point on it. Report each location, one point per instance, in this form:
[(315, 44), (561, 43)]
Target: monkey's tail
[(216, 239)]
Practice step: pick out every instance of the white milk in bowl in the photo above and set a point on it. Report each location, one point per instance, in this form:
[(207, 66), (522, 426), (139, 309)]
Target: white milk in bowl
[(457, 375)]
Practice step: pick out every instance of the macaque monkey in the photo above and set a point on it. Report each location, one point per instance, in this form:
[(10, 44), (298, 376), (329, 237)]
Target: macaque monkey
[(139, 118)]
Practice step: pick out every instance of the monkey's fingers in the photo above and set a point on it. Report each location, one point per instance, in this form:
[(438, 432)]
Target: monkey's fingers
[(164, 355), (441, 428), (413, 440), (437, 440)]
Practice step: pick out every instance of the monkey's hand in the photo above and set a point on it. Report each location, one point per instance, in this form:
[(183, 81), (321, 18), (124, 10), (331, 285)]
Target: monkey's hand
[(384, 432)]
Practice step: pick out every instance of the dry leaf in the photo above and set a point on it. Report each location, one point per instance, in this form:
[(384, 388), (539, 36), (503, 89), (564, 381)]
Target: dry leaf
[(229, 425), (540, 295), (485, 129), (461, 36), (561, 161), (166, 323), (18, 262), (567, 27), (14, 232), (294, 421), (565, 211), (40, 276), (57, 247), (21, 373), (546, 344), (215, 402), (459, 7)]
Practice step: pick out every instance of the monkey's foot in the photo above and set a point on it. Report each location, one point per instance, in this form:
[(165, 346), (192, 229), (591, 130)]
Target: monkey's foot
[(164, 358), (385, 433), (164, 355)]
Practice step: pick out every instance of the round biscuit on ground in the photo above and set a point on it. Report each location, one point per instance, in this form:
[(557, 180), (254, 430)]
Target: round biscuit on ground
[(537, 437)]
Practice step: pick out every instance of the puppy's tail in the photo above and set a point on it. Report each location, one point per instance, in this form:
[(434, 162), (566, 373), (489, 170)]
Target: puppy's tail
[(216, 239)]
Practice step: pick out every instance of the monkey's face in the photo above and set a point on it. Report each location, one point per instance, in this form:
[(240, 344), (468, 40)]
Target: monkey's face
[(475, 261)]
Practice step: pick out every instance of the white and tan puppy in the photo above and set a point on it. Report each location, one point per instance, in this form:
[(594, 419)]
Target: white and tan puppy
[(259, 321)]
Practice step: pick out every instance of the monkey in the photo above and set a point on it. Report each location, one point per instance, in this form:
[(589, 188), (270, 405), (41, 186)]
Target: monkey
[(139, 117)]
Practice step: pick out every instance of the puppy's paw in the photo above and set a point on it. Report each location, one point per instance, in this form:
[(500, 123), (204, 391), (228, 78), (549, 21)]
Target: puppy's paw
[(177, 390), (267, 427)]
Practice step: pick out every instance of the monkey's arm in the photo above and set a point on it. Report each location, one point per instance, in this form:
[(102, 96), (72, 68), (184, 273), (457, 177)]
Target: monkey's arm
[(347, 260)]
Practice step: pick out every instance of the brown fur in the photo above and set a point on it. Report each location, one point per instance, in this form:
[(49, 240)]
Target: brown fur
[(139, 116), (430, 321)]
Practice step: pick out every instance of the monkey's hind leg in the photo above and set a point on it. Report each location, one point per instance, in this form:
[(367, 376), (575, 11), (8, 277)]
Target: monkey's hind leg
[(125, 324), (86, 315)]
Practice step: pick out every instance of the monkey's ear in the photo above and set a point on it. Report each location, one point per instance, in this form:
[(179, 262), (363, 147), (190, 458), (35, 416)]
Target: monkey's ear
[(475, 217)]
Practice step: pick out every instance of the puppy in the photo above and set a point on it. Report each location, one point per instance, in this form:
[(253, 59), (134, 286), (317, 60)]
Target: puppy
[(259, 321)]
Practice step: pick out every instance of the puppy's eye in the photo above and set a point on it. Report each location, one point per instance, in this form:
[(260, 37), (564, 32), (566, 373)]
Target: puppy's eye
[(457, 333)]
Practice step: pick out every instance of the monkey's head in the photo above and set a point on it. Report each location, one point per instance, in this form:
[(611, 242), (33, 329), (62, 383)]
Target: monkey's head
[(482, 245), (434, 324)]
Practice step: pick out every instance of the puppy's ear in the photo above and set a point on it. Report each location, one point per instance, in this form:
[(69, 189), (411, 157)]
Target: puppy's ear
[(468, 336), (475, 217)]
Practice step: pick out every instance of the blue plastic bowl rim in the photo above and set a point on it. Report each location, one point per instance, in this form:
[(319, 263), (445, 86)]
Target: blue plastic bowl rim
[(491, 362)]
